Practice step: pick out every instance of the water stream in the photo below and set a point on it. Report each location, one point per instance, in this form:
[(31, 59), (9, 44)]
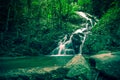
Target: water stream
[(74, 44)]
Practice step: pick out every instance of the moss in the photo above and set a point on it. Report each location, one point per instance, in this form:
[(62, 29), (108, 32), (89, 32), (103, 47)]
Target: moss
[(105, 35)]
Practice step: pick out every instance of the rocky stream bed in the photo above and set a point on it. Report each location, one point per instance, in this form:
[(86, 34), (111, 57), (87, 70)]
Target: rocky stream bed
[(105, 66)]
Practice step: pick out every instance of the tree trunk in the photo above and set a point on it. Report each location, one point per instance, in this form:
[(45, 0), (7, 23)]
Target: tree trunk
[(60, 14), (7, 21)]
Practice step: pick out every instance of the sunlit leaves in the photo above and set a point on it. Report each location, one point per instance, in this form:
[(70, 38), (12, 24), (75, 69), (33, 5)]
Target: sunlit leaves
[(82, 2)]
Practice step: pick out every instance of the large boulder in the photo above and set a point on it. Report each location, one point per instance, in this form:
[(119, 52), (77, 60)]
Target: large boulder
[(78, 68), (107, 64)]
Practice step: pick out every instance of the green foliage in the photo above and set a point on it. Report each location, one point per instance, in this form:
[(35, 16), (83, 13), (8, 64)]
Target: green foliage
[(85, 5), (100, 7), (34, 27), (105, 33), (83, 2)]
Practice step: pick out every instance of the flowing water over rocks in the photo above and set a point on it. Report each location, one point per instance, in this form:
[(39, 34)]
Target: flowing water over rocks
[(74, 44)]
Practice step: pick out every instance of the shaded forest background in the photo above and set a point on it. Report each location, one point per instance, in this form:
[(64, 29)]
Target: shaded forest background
[(34, 27)]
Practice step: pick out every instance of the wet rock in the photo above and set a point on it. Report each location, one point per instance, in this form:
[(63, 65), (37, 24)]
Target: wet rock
[(107, 64), (49, 73), (28, 71)]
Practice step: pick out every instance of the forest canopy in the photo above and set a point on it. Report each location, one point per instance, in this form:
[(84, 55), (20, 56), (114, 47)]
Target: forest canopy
[(34, 27)]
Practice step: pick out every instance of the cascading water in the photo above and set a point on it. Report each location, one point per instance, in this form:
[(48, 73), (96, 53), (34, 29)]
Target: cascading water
[(75, 43)]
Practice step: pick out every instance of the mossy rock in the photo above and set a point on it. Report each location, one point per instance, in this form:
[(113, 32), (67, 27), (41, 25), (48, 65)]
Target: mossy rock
[(78, 67), (107, 64)]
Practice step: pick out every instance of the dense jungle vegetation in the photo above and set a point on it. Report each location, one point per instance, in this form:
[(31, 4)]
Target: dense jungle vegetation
[(34, 27)]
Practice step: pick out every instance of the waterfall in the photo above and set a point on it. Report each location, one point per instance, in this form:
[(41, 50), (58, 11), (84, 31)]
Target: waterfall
[(76, 41)]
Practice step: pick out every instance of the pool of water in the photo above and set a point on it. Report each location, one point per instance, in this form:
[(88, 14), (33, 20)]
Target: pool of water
[(7, 64)]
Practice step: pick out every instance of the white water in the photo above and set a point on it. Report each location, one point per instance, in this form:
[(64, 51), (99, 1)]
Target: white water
[(75, 43)]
